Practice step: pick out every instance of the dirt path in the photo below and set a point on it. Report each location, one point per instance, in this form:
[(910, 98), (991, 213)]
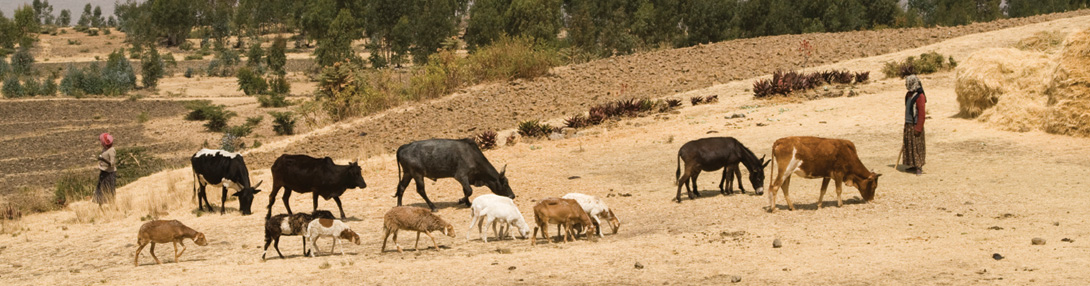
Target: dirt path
[(985, 191)]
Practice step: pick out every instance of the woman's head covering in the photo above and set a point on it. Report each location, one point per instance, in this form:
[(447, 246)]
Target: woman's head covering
[(912, 83), (106, 139)]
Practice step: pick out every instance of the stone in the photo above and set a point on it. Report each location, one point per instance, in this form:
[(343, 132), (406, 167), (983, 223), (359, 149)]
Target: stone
[(776, 243), (735, 279), (639, 265), (997, 256), (1037, 241)]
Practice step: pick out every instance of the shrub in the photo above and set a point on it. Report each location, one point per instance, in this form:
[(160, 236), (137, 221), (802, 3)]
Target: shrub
[(22, 62), (283, 122), (861, 77), (278, 84), (12, 88), (5, 68), (152, 67), (486, 140), (31, 86), (200, 109), (577, 121), (597, 115), (510, 58), (118, 74), (250, 82), (711, 98), (276, 58), (255, 55), (74, 42), (695, 100), (49, 87), (533, 128), (188, 72), (217, 119), (926, 63), (441, 75), (272, 100), (136, 162), (673, 102), (239, 131), (73, 186)]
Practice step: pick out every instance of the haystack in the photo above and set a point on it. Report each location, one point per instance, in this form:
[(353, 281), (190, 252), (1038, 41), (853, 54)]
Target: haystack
[(1005, 86), (1070, 102)]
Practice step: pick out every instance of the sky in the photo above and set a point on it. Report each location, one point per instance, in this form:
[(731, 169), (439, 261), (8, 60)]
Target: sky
[(74, 6)]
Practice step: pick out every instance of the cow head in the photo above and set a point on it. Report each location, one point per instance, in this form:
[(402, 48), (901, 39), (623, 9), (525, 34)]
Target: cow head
[(500, 185), (246, 197), (757, 177), (867, 186), (353, 178)]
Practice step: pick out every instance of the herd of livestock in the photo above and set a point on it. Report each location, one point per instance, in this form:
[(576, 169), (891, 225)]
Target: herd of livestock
[(575, 213)]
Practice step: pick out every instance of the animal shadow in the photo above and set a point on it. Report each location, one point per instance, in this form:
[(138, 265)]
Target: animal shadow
[(900, 168), (825, 204), (439, 205)]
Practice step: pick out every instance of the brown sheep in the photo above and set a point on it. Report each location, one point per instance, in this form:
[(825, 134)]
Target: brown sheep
[(566, 212), (414, 219), (163, 231)]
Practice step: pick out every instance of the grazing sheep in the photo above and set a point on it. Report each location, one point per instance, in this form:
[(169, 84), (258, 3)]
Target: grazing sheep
[(284, 224), (566, 212), (414, 219), (320, 227), (596, 208), (163, 231), (492, 209)]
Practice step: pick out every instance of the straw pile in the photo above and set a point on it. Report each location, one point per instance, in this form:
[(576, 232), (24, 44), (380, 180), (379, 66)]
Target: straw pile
[(1006, 87), (1070, 102)]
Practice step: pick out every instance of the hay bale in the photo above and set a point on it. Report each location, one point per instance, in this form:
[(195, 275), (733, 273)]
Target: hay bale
[(1006, 87), (1070, 99)]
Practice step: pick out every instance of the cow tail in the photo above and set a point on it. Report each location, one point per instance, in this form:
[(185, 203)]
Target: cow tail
[(399, 177), (677, 174), (195, 182)]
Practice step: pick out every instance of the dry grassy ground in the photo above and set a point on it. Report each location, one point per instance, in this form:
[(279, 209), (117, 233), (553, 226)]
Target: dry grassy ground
[(985, 191)]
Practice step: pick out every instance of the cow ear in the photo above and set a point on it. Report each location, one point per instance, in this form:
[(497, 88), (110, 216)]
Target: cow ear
[(236, 194), (504, 170), (258, 184)]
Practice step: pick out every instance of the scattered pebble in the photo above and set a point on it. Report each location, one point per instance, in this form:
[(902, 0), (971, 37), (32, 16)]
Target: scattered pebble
[(995, 228), (736, 115), (1038, 241), (776, 243), (511, 268), (324, 265), (761, 124), (639, 265), (503, 250), (1068, 240), (712, 131), (996, 256), (574, 177), (735, 279)]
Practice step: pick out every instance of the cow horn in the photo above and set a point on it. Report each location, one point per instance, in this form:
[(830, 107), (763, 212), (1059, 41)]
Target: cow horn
[(258, 184), (504, 170)]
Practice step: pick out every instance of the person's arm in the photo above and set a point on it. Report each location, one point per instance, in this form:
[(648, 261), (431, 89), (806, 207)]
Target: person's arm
[(921, 113)]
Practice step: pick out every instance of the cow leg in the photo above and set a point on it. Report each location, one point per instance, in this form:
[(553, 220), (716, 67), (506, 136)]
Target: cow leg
[(723, 182), (272, 200), (223, 199), (401, 188), (315, 200), (287, 195), (839, 203), (821, 195), (202, 197), (467, 190), (786, 197), (420, 190), (695, 190), (338, 201)]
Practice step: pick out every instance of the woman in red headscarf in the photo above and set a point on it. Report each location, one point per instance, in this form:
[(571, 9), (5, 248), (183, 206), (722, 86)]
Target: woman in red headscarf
[(107, 166)]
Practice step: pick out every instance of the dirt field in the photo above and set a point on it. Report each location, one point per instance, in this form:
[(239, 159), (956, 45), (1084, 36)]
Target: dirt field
[(985, 191)]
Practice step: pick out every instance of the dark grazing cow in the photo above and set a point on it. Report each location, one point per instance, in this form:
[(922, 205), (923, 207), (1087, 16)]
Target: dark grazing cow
[(448, 158), (713, 153), (227, 169), (318, 176), (813, 157)]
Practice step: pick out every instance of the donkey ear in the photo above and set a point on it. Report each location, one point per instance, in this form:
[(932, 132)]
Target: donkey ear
[(504, 170), (765, 164)]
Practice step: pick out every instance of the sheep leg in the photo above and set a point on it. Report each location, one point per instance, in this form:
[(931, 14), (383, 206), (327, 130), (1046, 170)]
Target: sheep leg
[(598, 225), (821, 195), (136, 261), (533, 238), (474, 221), (432, 239), (305, 251), (335, 246), (153, 253), (176, 250), (175, 243), (385, 237), (395, 241), (416, 246), (488, 221)]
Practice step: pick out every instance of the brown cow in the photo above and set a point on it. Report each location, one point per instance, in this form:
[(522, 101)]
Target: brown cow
[(813, 157)]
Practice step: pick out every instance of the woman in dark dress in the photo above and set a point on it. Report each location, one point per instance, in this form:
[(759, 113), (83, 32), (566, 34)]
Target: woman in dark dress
[(915, 115)]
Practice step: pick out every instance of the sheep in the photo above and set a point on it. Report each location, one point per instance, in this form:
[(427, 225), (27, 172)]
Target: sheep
[(559, 211), (596, 208), (492, 209), (284, 224), (163, 231), (414, 219), (320, 227)]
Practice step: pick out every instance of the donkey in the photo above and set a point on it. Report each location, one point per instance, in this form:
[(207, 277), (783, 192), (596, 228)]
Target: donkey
[(714, 153)]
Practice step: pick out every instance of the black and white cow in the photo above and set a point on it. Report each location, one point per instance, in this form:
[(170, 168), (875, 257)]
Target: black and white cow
[(318, 176), (448, 158), (227, 169)]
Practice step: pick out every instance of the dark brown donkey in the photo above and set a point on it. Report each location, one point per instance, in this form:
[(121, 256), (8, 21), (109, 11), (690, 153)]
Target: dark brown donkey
[(714, 153)]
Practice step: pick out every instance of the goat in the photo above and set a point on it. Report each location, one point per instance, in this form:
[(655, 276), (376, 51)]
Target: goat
[(293, 224), (163, 231), (414, 219), (566, 212), (492, 209), (596, 208), (320, 227)]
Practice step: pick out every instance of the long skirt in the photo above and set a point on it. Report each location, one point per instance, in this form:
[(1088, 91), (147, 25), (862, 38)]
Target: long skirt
[(914, 147), (104, 193)]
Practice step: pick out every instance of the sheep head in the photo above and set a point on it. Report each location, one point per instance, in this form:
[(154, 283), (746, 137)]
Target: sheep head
[(200, 240), (350, 235)]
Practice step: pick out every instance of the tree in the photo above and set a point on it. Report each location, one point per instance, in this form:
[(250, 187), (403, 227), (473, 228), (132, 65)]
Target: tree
[(22, 61), (152, 67), (486, 22), (276, 58), (96, 18), (65, 18), (86, 18), (173, 19), (254, 55), (118, 75), (337, 43), (708, 21), (44, 12), (432, 22), (26, 26)]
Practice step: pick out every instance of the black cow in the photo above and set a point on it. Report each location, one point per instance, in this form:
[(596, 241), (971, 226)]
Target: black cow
[(227, 169), (448, 158), (321, 177), (713, 153)]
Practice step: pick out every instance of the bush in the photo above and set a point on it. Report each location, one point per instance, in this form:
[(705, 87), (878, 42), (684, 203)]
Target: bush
[(217, 118), (283, 122), (188, 72), (673, 102), (784, 83), (200, 109), (136, 162), (272, 100), (486, 140), (118, 76), (250, 82), (73, 186), (31, 86), (4, 67), (577, 121), (255, 55), (22, 62), (152, 67), (49, 87), (533, 128), (861, 77), (278, 84), (12, 88), (509, 58), (926, 63)]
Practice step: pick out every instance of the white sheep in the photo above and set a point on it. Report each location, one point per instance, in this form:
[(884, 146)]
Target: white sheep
[(491, 210), (331, 228), (596, 208)]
